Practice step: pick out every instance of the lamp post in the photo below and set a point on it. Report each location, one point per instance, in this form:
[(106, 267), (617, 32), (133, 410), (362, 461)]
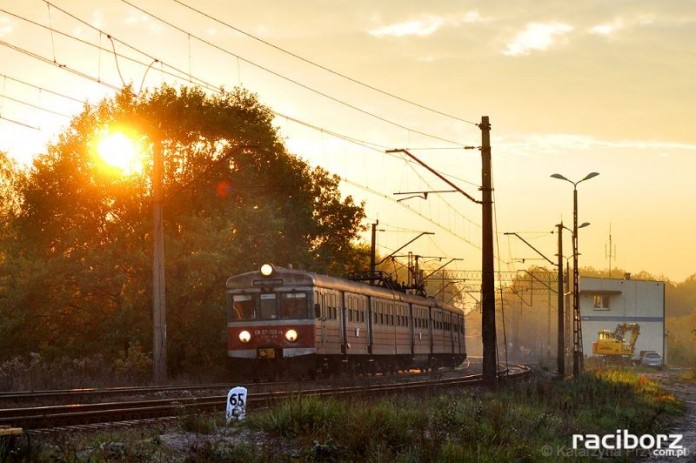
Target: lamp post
[(577, 327)]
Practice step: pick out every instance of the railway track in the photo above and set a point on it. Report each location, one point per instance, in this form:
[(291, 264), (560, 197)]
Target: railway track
[(51, 416)]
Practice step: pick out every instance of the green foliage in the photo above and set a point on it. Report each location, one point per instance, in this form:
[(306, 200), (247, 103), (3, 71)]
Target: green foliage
[(75, 255), (516, 422), (510, 424), (33, 372)]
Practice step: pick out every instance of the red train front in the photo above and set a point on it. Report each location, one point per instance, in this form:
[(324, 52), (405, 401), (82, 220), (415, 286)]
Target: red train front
[(270, 324)]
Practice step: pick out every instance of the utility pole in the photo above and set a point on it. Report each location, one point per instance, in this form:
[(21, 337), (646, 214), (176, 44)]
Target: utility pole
[(561, 316), (159, 312), (373, 249), (488, 328)]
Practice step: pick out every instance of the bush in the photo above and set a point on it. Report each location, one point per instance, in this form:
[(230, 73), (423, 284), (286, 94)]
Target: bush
[(35, 373)]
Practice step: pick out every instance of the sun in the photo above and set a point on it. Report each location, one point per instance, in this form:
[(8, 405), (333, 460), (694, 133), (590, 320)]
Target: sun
[(120, 151)]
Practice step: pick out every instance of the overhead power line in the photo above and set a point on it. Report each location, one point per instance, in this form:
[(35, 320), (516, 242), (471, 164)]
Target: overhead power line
[(390, 198), (288, 79), (182, 76), (320, 66), (178, 74), (57, 64), (18, 123), (31, 105), (41, 89)]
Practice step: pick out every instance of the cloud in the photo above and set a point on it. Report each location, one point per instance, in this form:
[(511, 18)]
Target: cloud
[(425, 25), (551, 144), (5, 27), (419, 27), (536, 37), (607, 28)]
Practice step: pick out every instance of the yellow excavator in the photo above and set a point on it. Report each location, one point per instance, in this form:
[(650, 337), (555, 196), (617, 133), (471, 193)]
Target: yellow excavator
[(613, 345)]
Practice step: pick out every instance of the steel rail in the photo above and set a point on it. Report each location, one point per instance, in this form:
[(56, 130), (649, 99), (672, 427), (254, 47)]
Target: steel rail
[(43, 417)]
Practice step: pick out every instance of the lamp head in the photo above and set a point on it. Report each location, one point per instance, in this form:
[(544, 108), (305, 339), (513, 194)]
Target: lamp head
[(589, 176)]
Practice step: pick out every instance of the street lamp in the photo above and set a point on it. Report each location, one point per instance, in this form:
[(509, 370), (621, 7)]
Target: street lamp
[(577, 327)]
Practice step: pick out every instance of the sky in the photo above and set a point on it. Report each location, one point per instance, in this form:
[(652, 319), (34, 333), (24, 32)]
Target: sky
[(569, 87)]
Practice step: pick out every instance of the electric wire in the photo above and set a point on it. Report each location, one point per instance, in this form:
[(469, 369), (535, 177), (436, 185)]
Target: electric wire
[(56, 63), (350, 139), (419, 175), (23, 124), (320, 66), (183, 73), (177, 74), (31, 105), (389, 198), (42, 89), (288, 79), (369, 145)]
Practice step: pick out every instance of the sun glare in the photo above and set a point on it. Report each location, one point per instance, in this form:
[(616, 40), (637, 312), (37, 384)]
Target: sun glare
[(120, 151)]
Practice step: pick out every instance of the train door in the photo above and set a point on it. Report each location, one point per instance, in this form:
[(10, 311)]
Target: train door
[(411, 327), (342, 322), (431, 329), (320, 321), (369, 318), (449, 331), (457, 333)]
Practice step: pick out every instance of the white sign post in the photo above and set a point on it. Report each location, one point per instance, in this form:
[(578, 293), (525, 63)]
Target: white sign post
[(236, 404)]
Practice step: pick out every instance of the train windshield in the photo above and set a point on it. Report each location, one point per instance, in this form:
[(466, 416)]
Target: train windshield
[(268, 306), (293, 305), (243, 307)]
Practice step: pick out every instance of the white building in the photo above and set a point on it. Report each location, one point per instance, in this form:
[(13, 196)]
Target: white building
[(606, 303)]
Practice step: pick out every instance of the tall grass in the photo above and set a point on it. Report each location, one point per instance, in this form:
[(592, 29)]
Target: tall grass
[(511, 424), (515, 423)]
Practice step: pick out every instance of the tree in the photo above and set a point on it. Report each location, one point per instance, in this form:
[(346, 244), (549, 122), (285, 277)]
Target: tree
[(233, 198)]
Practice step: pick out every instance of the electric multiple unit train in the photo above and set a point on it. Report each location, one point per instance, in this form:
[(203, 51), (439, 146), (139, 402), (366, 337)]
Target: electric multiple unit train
[(285, 322)]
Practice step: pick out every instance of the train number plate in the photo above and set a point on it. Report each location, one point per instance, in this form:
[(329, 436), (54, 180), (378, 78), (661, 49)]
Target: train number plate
[(267, 353)]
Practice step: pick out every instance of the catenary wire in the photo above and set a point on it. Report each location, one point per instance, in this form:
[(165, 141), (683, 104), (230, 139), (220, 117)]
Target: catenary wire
[(293, 81), (320, 66)]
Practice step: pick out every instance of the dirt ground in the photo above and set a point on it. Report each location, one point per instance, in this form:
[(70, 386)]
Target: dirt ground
[(686, 426)]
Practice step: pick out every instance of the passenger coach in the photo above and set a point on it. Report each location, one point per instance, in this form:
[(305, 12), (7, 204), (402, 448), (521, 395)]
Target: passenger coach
[(283, 321)]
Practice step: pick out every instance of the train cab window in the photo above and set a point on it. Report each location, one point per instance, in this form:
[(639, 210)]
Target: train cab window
[(293, 305), (242, 307), (268, 307)]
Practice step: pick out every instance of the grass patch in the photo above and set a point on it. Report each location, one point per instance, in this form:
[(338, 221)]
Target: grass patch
[(512, 424), (517, 423)]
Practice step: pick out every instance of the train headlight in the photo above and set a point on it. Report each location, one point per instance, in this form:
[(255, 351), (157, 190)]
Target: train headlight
[(245, 336), (266, 270), (291, 335)]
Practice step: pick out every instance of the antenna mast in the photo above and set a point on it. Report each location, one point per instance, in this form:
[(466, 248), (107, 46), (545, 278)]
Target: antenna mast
[(611, 252)]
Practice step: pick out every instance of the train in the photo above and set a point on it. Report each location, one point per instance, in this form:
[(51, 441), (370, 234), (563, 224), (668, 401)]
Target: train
[(283, 322)]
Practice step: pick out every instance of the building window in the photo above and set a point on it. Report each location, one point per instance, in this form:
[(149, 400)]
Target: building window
[(601, 302)]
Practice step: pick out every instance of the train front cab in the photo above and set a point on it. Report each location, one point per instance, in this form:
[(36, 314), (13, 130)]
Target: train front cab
[(270, 332)]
